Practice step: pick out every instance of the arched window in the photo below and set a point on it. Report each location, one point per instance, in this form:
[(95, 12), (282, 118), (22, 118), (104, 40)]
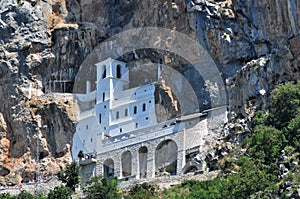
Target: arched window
[(103, 71), (126, 112), (118, 71), (117, 115)]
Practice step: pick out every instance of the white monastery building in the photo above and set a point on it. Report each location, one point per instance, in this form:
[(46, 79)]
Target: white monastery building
[(119, 134)]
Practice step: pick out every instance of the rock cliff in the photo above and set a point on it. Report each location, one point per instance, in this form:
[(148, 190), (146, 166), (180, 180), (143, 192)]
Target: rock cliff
[(43, 43)]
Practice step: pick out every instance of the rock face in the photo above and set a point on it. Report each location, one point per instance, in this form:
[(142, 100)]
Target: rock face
[(255, 45)]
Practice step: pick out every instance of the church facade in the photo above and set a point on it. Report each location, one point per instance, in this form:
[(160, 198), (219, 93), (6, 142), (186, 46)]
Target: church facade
[(119, 134)]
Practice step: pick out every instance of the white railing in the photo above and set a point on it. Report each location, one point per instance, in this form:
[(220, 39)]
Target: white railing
[(138, 136)]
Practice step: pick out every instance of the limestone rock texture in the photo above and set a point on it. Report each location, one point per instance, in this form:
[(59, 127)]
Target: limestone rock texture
[(254, 43)]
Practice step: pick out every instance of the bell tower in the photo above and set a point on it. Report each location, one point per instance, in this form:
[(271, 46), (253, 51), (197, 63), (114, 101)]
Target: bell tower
[(112, 78)]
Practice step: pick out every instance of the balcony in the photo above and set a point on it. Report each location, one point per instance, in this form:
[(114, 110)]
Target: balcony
[(84, 162)]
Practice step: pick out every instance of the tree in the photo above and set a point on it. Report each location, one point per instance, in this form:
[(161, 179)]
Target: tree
[(80, 154), (70, 176), (285, 101), (60, 192), (100, 187), (265, 144)]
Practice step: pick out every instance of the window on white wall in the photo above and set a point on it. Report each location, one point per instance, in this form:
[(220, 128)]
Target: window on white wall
[(136, 125), (103, 71), (103, 96), (144, 107), (126, 112), (134, 109), (117, 115), (118, 71), (100, 118)]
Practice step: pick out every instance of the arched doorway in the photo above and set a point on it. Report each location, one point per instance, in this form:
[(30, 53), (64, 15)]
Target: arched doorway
[(143, 153), (109, 169), (126, 159), (166, 157)]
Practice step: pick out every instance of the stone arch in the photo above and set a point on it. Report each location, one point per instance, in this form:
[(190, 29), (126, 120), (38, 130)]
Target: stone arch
[(166, 157), (109, 168), (192, 166), (126, 162), (143, 154)]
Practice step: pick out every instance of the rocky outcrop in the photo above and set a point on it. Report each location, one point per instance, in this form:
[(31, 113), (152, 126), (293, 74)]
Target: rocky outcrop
[(43, 43)]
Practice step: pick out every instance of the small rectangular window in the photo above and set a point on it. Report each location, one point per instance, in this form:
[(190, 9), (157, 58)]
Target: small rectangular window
[(144, 107), (126, 112), (100, 119), (87, 127), (117, 115), (134, 109), (136, 125), (118, 71)]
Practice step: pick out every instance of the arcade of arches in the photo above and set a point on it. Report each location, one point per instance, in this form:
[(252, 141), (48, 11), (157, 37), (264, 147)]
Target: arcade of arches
[(165, 160)]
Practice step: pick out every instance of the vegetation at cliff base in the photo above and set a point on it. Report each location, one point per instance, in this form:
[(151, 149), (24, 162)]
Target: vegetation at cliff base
[(256, 173), (70, 176), (100, 187)]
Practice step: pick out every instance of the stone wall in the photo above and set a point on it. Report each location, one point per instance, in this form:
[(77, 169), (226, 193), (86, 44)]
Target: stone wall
[(167, 153)]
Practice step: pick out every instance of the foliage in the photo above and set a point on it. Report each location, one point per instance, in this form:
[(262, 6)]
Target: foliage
[(6, 196), (60, 192), (260, 118), (265, 144), (142, 191), (80, 154), (285, 101), (70, 176), (250, 179), (25, 195), (22, 195), (100, 187), (293, 132)]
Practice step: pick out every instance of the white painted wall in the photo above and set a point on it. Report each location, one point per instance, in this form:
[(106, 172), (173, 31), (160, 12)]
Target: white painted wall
[(112, 96)]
